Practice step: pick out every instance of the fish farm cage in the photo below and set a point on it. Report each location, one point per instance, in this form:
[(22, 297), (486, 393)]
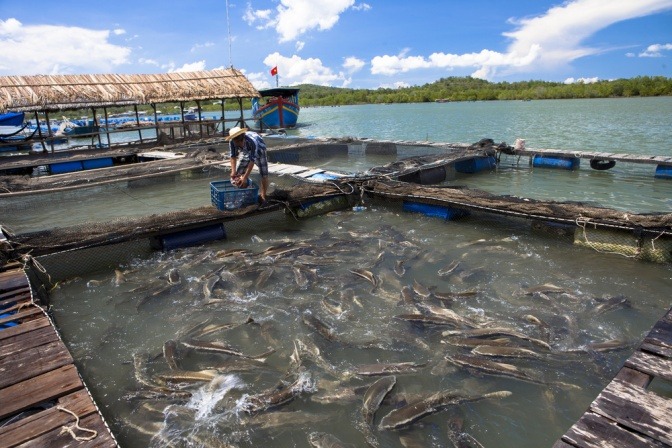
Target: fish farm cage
[(407, 185)]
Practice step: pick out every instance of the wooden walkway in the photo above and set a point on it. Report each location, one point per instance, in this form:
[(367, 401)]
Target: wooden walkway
[(626, 414), (39, 384)]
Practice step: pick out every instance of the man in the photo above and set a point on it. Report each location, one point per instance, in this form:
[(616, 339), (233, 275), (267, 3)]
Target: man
[(252, 150)]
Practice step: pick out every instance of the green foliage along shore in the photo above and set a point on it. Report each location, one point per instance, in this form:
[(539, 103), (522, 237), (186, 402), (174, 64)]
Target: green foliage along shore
[(473, 89)]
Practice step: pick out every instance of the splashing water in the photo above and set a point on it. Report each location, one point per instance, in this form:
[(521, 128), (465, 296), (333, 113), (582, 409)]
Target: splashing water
[(206, 398)]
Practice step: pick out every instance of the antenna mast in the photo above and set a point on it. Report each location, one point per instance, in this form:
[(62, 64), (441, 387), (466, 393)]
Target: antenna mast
[(228, 30)]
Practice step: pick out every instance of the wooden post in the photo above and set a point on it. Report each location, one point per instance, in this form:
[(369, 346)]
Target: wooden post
[(221, 101), (184, 126), (137, 122), (39, 131), (51, 142), (156, 121), (96, 128), (107, 127), (200, 126)]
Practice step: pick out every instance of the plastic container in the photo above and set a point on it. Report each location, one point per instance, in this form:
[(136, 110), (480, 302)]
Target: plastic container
[(475, 165), (558, 162), (226, 196)]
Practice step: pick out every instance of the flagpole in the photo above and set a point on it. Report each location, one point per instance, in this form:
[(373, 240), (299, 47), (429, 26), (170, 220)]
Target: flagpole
[(277, 80)]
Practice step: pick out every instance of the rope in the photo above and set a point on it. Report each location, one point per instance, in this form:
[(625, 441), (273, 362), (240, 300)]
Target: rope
[(69, 429), (582, 222)]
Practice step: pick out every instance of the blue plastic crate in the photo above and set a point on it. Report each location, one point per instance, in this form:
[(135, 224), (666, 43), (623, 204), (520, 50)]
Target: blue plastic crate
[(226, 196)]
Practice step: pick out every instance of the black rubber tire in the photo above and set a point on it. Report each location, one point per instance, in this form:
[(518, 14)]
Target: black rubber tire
[(601, 164)]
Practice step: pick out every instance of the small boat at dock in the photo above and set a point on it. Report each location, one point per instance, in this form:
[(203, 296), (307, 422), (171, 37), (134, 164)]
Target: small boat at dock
[(280, 109)]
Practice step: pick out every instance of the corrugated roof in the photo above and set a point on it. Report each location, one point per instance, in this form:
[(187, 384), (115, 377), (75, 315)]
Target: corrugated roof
[(60, 92)]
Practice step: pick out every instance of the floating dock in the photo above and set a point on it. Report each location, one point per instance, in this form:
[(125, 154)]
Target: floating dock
[(626, 413), (43, 401)]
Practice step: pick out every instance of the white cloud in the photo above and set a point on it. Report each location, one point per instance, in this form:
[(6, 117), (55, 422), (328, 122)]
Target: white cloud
[(299, 45), (353, 64), (119, 31), (197, 47), (296, 17), (192, 67), (148, 61), (70, 50), (362, 7), (396, 85), (544, 42), (581, 80), (654, 51), (296, 70)]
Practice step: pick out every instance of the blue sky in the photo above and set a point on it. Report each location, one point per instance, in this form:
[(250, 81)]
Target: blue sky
[(342, 43)]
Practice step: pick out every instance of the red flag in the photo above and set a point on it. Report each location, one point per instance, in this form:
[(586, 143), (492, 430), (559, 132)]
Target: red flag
[(274, 71)]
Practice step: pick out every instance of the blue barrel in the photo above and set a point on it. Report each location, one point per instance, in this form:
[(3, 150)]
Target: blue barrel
[(558, 162), (435, 211), (192, 237), (476, 164), (664, 172)]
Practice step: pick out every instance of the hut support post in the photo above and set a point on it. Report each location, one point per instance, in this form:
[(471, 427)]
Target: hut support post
[(137, 122), (221, 101), (46, 117), (156, 121), (107, 127), (200, 125), (184, 125), (96, 127), (39, 131)]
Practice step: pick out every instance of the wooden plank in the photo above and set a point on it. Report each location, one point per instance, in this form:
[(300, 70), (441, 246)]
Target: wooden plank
[(10, 280), (58, 439), (18, 295), (28, 340), (636, 409), (665, 352), (25, 327), (594, 431), (48, 386), (292, 169), (31, 312), (26, 364), (634, 377), (650, 364), (46, 420)]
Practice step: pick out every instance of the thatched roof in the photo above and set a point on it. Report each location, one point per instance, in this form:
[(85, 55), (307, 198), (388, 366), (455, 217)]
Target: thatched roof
[(59, 92)]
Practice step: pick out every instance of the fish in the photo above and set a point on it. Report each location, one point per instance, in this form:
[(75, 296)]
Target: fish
[(447, 270), (489, 367), (505, 352), (183, 376), (437, 402), (458, 437), (444, 313), (496, 331), (284, 419), (386, 369), (611, 303), (316, 324), (367, 275), (475, 342), (277, 397), (263, 277), (173, 277), (450, 297), (545, 288), (375, 395), (119, 277), (206, 327), (217, 347), (209, 285), (399, 268), (170, 354), (325, 440), (332, 306), (407, 294), (300, 277), (423, 319), (421, 289)]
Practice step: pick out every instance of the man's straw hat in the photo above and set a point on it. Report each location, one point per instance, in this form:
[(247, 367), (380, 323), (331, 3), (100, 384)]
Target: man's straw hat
[(235, 132)]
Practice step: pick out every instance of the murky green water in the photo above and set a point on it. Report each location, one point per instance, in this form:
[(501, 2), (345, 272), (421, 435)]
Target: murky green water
[(116, 327)]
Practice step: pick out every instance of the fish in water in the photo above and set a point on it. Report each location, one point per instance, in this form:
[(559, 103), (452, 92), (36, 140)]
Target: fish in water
[(505, 352), (173, 277), (546, 288), (386, 369), (399, 268), (611, 303), (218, 347), (119, 277), (277, 397), (183, 376), (445, 271), (170, 354), (496, 331), (367, 275), (475, 363), (324, 440), (412, 412), (375, 395), (316, 324), (407, 294), (421, 289)]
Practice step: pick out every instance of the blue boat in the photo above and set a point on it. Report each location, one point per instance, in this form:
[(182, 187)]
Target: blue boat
[(280, 108), (14, 135)]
